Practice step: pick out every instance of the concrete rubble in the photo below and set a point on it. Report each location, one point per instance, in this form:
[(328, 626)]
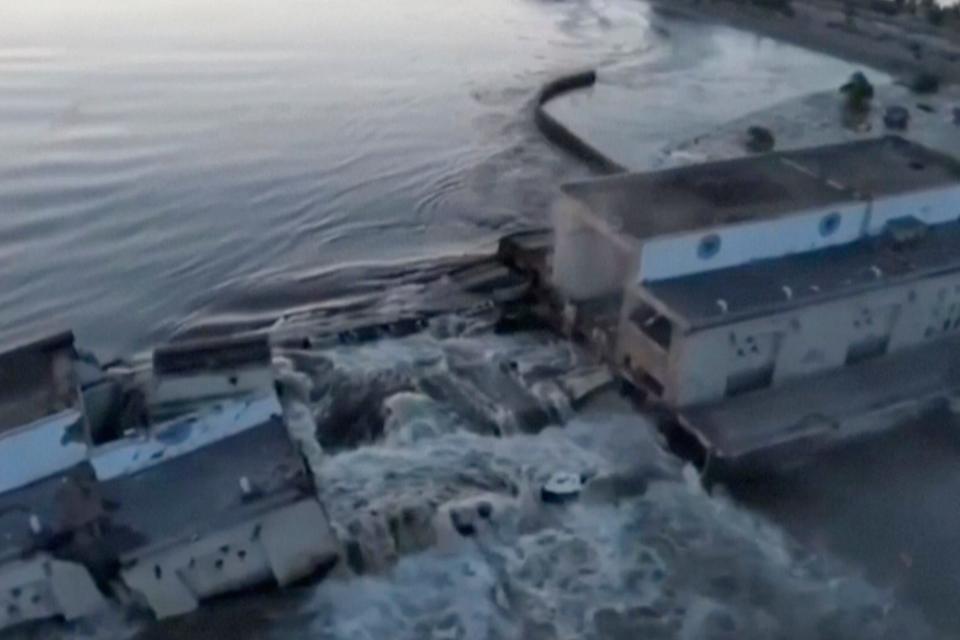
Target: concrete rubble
[(433, 495)]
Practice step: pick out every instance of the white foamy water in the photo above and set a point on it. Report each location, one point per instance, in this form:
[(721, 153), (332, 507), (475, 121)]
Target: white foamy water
[(181, 164), (644, 552), (446, 533)]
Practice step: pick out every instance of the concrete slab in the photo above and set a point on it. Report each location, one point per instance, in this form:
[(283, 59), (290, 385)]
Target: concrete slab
[(767, 186), (798, 280), (203, 490), (784, 425)]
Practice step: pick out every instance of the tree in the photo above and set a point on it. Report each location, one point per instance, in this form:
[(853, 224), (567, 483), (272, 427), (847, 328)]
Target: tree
[(859, 92)]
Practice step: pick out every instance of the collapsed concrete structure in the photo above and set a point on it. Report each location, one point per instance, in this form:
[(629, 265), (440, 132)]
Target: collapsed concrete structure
[(161, 487), (770, 306)]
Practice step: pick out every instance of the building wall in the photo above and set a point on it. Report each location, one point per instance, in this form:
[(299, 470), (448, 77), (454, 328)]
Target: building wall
[(935, 206), (634, 347), (43, 448), (590, 260), (679, 255), (811, 339)]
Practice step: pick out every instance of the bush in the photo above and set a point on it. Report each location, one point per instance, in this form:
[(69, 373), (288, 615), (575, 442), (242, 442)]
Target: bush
[(760, 140), (859, 92)]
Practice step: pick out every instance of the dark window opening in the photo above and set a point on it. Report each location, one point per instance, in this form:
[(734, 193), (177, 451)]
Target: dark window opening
[(651, 384), (684, 443), (829, 224), (709, 246), (655, 326), (642, 378), (747, 381), (867, 349)]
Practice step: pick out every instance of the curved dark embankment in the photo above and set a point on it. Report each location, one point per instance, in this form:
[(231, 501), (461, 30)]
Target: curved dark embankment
[(557, 133)]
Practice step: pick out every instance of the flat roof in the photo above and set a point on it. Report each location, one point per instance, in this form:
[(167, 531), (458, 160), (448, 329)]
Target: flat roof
[(644, 205), (50, 500), (776, 284), (178, 499), (199, 492), (881, 167)]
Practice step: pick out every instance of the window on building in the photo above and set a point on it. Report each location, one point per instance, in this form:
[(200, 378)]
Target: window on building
[(655, 326)]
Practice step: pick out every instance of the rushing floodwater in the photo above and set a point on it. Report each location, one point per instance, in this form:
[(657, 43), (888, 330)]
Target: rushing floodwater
[(178, 164), (165, 161)]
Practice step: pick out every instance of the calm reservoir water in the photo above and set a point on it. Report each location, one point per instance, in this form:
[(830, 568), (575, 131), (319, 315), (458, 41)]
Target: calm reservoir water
[(180, 161)]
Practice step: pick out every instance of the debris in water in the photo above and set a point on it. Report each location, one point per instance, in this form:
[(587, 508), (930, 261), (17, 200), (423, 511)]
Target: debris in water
[(561, 487)]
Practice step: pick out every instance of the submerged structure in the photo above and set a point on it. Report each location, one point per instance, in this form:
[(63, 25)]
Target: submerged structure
[(43, 455), (772, 304), (158, 487), (765, 307)]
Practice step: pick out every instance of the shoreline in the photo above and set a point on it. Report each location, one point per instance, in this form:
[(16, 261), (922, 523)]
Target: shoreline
[(874, 40), (816, 119)]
